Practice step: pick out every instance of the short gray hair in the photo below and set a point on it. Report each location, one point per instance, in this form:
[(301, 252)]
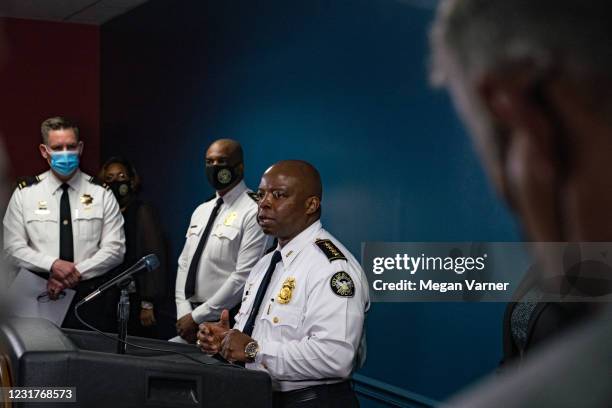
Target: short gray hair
[(57, 123), (475, 36)]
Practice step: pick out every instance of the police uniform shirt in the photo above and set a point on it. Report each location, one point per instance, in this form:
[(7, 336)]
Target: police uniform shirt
[(32, 229), (235, 243), (310, 323)]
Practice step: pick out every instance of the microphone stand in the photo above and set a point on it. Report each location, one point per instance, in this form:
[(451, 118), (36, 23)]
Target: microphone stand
[(123, 316)]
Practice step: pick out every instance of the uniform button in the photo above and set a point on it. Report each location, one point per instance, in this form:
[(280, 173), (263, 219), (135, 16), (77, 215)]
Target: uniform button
[(275, 320), (65, 222)]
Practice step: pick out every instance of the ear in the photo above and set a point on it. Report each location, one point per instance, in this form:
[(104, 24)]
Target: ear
[(516, 103), (81, 146), (520, 103), (135, 182), (43, 151), (313, 204)]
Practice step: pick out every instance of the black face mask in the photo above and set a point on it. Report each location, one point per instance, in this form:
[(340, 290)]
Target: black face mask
[(121, 189), (221, 176)]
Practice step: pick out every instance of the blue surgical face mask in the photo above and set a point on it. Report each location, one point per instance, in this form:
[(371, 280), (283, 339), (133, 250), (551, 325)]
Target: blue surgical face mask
[(65, 162)]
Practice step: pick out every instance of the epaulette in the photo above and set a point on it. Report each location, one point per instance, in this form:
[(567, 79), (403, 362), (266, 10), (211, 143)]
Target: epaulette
[(253, 196), (27, 181), (98, 182), (330, 250)]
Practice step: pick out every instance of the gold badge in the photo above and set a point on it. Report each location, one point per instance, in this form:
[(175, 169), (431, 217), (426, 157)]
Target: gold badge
[(284, 296), (229, 220), (87, 199), (42, 205)]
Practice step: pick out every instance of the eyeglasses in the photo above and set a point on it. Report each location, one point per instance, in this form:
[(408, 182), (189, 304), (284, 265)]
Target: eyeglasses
[(44, 297)]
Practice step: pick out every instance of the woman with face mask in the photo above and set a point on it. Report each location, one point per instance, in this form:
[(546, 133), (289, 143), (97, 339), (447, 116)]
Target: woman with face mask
[(143, 236)]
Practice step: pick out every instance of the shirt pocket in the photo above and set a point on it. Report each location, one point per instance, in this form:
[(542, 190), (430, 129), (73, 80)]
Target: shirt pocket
[(284, 320), (225, 232), (87, 223), (41, 226), (224, 244)]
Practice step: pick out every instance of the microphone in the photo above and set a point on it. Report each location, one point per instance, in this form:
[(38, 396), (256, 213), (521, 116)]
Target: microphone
[(148, 262)]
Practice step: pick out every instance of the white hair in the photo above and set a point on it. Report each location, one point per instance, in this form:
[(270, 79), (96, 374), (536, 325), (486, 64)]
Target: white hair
[(475, 36), (472, 37)]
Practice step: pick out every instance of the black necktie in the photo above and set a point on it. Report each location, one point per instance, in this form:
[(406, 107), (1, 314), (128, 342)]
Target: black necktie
[(66, 244), (261, 292), (190, 284)]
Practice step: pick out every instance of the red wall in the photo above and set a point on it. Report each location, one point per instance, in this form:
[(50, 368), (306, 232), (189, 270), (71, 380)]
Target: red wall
[(50, 69)]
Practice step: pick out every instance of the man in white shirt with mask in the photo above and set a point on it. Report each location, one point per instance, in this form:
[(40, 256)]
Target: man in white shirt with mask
[(223, 242), (66, 227)]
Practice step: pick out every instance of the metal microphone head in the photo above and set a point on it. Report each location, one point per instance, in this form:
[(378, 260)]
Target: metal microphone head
[(151, 262)]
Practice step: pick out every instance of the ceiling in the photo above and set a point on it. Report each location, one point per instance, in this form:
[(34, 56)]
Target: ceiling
[(74, 11)]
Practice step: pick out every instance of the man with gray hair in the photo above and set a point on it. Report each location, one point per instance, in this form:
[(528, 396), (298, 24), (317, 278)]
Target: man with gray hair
[(532, 80)]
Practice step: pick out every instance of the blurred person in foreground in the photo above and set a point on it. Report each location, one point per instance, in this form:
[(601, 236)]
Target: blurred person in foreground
[(532, 80)]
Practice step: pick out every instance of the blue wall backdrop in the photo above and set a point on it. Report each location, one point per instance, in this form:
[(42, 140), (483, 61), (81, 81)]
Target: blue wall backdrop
[(342, 84)]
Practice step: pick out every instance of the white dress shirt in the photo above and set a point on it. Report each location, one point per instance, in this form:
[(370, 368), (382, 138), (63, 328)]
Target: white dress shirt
[(236, 242), (316, 337), (32, 226)]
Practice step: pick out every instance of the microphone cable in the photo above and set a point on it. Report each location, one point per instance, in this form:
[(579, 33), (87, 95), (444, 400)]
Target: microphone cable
[(187, 356)]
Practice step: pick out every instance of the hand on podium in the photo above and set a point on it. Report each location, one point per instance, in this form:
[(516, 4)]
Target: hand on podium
[(211, 335), (233, 346)]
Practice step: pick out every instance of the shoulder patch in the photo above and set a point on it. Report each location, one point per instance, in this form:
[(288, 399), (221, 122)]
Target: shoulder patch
[(98, 182), (253, 196), (342, 284), (330, 250), (27, 181)]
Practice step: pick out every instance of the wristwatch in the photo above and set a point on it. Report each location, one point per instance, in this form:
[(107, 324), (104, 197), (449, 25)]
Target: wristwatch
[(251, 350), (146, 305)]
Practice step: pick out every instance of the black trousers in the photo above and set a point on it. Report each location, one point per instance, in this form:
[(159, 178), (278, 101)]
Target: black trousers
[(100, 312), (320, 396)]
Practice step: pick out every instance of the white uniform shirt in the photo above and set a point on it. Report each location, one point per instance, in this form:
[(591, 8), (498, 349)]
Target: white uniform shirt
[(32, 226), (236, 242), (316, 337)]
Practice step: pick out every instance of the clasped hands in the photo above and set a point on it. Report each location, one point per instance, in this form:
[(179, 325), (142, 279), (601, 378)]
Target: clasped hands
[(217, 337), (63, 275)]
